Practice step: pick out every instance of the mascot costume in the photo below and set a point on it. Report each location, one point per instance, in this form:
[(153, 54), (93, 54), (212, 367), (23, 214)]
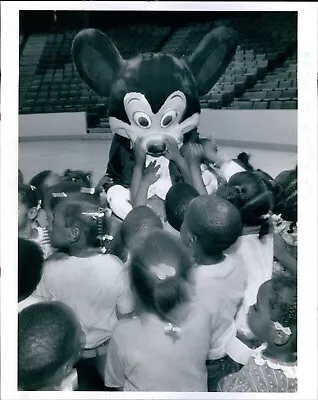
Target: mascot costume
[(153, 96)]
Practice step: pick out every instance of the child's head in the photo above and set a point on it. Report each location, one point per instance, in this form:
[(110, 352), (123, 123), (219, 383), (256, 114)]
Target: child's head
[(138, 224), (243, 160), (249, 193), (274, 316), (78, 221), (177, 201), (84, 178), (160, 274), (30, 262), (286, 204), (42, 181), (289, 207), (50, 340), (54, 194), (209, 149), (28, 205), (211, 225)]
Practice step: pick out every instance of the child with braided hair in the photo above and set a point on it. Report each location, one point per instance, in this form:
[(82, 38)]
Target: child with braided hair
[(28, 226), (285, 225), (248, 192), (273, 318), (164, 348), (93, 284)]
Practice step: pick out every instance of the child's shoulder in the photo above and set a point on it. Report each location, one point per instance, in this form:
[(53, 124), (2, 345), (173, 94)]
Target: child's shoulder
[(127, 327), (113, 261)]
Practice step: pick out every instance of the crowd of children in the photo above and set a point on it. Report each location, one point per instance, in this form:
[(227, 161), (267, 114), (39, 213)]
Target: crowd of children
[(197, 293)]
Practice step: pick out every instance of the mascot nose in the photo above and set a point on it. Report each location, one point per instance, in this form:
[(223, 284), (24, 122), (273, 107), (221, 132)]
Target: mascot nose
[(156, 147)]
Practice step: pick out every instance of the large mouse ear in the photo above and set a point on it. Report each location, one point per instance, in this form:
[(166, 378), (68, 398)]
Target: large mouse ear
[(212, 56), (96, 59)]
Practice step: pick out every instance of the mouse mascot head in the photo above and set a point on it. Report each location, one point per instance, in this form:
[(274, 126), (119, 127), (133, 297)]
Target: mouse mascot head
[(153, 96)]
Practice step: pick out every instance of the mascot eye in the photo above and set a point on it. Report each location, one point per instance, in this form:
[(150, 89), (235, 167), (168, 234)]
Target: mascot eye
[(142, 119), (168, 118)]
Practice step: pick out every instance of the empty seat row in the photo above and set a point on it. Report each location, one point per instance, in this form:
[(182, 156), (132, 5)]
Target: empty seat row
[(264, 105)]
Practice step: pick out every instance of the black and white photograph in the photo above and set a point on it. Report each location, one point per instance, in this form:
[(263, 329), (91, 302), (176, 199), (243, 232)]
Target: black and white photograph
[(157, 164)]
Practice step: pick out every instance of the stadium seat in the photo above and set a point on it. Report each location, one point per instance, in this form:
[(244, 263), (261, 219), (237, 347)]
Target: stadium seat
[(290, 94), (289, 105), (260, 105), (273, 94), (286, 84), (245, 105)]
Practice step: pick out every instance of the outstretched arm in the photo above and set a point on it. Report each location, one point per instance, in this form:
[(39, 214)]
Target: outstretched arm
[(140, 156), (194, 154), (173, 154), (150, 176)]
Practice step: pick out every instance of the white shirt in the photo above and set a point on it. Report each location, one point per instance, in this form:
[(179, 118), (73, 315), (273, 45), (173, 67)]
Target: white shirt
[(220, 287), (94, 287), (142, 357), (258, 261)]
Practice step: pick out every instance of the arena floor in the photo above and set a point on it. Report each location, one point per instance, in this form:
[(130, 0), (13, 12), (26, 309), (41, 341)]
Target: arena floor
[(92, 156)]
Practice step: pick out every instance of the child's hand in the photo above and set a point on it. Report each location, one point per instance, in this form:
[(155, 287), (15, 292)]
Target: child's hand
[(150, 175), (172, 152), (210, 151), (193, 152), (140, 152)]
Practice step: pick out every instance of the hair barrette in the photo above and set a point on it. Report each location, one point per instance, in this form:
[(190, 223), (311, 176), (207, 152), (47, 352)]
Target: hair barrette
[(105, 237), (60, 194), (280, 327), (172, 330), (87, 190), (102, 212), (38, 207), (163, 271), (94, 214), (33, 188)]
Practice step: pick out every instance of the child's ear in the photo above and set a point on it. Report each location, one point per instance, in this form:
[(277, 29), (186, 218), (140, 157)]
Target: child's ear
[(33, 212), (75, 234)]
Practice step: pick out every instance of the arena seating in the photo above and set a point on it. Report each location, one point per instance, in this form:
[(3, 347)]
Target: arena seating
[(278, 90), (262, 75)]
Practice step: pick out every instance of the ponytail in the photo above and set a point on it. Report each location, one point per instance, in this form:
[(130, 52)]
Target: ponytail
[(244, 159), (167, 294), (159, 270)]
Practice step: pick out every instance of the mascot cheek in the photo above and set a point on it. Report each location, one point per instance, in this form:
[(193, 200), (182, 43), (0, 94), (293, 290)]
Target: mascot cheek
[(119, 127)]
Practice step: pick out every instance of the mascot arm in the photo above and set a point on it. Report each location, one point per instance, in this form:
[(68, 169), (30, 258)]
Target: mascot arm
[(117, 179), (120, 164), (118, 198)]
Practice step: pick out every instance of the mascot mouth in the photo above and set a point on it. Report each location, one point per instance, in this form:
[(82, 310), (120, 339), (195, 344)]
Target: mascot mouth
[(156, 148)]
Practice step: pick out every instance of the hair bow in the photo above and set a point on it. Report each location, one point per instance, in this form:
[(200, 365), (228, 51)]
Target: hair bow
[(163, 271), (280, 327)]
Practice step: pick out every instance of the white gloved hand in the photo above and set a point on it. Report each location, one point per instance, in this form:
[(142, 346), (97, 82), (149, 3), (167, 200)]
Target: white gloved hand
[(118, 199)]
